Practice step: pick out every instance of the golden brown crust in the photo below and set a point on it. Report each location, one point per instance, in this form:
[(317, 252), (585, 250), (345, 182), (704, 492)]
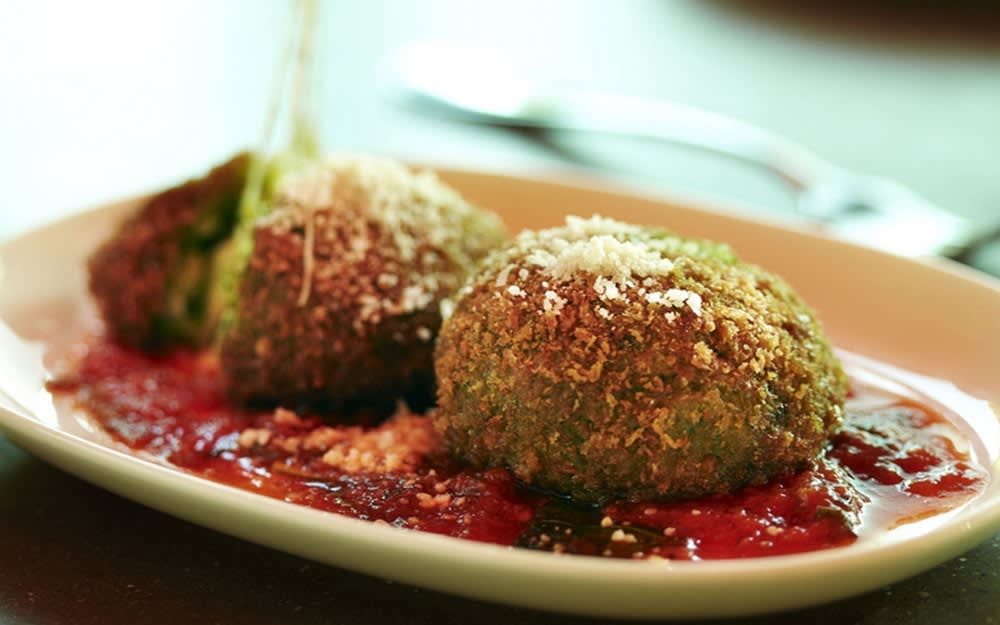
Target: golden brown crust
[(131, 273), (340, 298), (701, 376)]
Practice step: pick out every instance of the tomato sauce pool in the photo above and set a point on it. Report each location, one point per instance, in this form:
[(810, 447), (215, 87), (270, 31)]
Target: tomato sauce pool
[(893, 461)]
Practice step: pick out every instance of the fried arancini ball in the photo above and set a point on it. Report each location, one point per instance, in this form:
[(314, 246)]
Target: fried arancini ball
[(151, 279), (603, 360), (340, 296)]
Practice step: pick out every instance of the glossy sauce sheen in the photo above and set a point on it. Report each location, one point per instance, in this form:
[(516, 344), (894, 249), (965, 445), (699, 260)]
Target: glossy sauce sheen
[(894, 461)]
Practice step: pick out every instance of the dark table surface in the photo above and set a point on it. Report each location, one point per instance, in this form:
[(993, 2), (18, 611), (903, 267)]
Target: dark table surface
[(102, 99)]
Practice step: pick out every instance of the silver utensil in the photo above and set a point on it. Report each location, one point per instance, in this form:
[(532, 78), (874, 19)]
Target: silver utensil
[(482, 86)]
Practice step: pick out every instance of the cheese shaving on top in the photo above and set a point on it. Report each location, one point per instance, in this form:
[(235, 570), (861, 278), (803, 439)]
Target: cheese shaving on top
[(620, 263), (377, 235), (597, 245), (604, 255)]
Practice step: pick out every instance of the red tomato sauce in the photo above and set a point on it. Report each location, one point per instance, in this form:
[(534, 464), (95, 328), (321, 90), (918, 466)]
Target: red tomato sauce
[(893, 461)]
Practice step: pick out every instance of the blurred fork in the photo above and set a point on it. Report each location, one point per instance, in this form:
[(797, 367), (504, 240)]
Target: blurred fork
[(481, 86)]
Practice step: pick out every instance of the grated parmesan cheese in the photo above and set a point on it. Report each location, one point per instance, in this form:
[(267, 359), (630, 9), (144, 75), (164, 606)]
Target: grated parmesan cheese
[(622, 262), (552, 302), (503, 275), (355, 212), (604, 255)]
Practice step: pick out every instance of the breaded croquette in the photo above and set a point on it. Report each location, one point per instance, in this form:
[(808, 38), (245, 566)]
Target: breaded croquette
[(151, 279), (340, 296), (604, 360)]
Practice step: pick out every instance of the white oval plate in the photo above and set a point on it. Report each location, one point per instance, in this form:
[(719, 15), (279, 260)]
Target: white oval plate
[(933, 318)]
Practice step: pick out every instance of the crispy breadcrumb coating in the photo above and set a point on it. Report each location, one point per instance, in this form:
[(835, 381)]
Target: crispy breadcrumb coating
[(603, 360), (340, 297), (150, 280)]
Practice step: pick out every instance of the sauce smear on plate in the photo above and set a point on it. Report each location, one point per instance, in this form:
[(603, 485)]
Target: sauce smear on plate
[(894, 461)]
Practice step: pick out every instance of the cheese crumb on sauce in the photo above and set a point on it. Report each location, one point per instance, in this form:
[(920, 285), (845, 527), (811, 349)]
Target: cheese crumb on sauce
[(399, 444)]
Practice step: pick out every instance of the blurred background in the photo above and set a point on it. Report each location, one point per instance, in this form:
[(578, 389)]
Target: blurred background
[(106, 98)]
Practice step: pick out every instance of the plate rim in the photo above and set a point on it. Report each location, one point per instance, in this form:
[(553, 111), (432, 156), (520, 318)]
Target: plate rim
[(61, 447)]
